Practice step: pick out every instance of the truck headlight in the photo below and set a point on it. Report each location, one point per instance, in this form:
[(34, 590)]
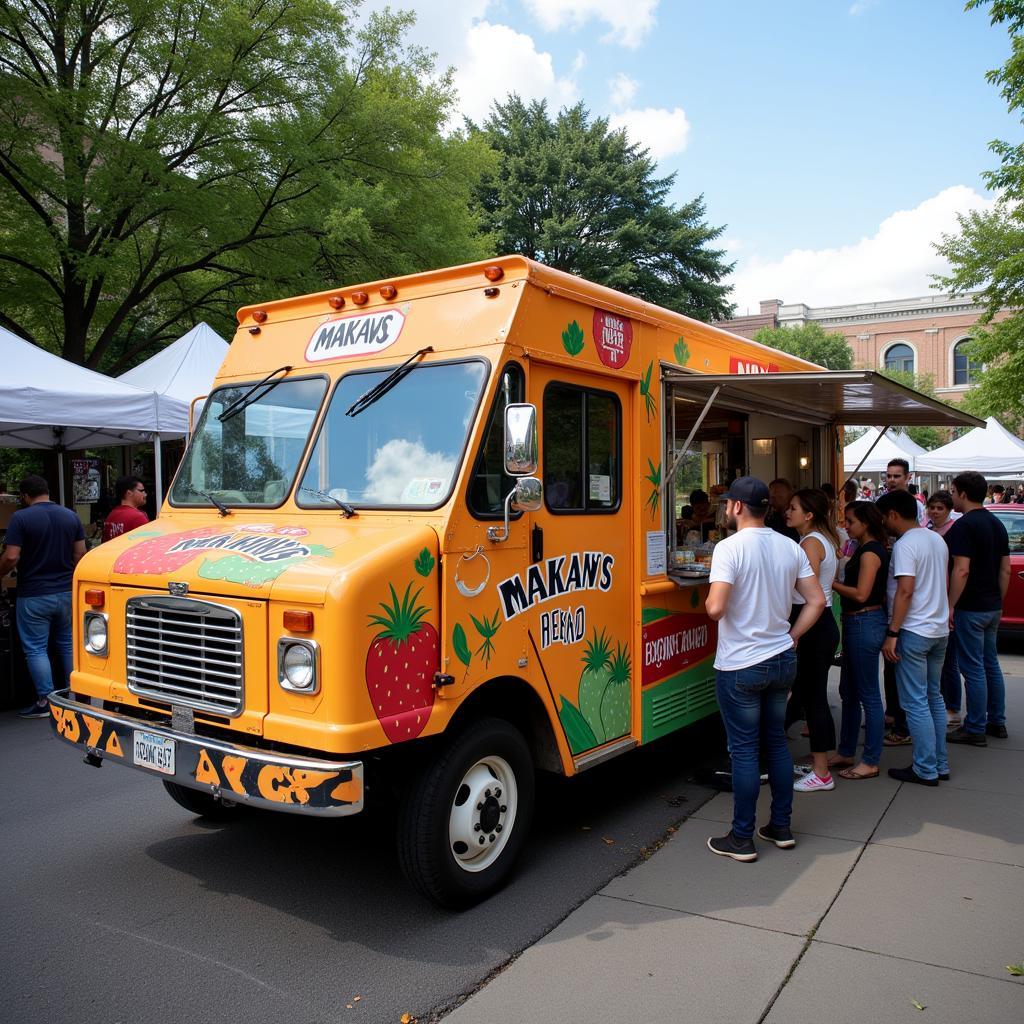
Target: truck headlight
[(94, 634), (298, 664)]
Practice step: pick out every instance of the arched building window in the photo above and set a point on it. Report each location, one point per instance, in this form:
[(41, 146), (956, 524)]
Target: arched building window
[(965, 369), (900, 357)]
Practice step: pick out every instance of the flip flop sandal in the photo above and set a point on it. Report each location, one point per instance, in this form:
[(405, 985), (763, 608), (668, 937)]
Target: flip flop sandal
[(852, 776)]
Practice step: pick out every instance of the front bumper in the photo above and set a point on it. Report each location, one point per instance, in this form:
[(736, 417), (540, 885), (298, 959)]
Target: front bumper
[(275, 782)]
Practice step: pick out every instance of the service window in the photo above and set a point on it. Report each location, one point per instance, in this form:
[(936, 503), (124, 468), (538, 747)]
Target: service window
[(490, 483), (582, 435)]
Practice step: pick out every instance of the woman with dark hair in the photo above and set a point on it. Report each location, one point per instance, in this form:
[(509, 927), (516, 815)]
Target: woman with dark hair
[(862, 594), (809, 513)]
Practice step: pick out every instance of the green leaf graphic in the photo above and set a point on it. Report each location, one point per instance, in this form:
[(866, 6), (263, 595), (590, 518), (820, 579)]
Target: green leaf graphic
[(654, 498), (424, 564), (577, 731), (572, 339), (486, 629), (460, 645), (682, 352), (650, 404)]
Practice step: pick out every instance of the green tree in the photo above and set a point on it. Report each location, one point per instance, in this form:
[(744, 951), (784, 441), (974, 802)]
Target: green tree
[(811, 342), (581, 198), (165, 161), (986, 256)]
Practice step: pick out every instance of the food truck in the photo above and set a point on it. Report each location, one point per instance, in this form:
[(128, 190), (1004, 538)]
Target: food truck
[(428, 540)]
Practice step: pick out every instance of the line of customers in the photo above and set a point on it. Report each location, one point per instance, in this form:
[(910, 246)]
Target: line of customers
[(902, 591)]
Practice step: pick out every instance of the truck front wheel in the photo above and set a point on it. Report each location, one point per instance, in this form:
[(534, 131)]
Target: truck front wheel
[(204, 804), (465, 818)]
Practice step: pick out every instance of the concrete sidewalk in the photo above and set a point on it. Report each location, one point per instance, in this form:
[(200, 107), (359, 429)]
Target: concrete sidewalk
[(895, 894)]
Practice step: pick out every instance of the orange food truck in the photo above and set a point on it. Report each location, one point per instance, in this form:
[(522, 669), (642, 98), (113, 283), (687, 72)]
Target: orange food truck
[(428, 539)]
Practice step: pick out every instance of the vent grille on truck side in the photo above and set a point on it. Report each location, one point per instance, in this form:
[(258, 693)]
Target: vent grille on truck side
[(186, 652)]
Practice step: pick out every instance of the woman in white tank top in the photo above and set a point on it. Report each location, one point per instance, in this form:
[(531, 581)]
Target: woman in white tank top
[(808, 514)]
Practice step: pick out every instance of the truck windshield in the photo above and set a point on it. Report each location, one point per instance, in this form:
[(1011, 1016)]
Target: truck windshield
[(404, 450), (249, 458)]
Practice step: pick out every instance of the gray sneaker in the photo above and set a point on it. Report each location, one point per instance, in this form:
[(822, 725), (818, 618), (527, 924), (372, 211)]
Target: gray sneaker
[(777, 834), (41, 709)]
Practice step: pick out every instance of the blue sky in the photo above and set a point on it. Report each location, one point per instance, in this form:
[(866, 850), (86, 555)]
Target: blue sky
[(835, 139)]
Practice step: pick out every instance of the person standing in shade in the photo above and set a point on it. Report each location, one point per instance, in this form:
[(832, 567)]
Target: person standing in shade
[(810, 515), (980, 549), (45, 541), (753, 574), (918, 632), (126, 516), (862, 595), (780, 494)]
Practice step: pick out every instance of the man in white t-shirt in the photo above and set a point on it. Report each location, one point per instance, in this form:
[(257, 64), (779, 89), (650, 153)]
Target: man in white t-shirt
[(918, 634), (753, 575)]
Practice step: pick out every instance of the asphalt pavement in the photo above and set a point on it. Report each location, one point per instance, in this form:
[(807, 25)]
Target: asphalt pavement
[(120, 906)]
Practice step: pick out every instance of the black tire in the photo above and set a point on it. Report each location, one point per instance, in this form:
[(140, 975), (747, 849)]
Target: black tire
[(430, 805), (206, 805)]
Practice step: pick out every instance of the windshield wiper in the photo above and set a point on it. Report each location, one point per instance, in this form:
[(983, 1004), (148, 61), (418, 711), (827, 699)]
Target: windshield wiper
[(343, 505), (221, 507), (245, 400), (380, 389)]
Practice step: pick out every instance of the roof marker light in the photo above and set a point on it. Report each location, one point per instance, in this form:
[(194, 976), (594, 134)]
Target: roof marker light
[(388, 292), (494, 273), (360, 298), (336, 301), (260, 316)]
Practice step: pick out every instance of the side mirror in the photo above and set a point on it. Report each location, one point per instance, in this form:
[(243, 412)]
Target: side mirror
[(521, 447), (528, 495)]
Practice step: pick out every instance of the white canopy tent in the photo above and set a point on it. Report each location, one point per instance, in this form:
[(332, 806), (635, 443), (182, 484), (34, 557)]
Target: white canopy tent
[(893, 445), (47, 402), (991, 450), (178, 374)]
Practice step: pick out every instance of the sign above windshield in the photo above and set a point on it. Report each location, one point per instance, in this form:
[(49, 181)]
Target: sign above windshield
[(360, 334)]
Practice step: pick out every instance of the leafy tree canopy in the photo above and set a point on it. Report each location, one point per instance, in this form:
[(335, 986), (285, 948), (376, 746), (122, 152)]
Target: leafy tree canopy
[(166, 161), (810, 341), (581, 198), (987, 255)]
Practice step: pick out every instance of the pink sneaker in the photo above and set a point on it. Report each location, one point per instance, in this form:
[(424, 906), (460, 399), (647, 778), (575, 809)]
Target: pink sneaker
[(811, 783)]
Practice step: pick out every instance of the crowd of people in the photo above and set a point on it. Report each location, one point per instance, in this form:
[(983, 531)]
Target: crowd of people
[(920, 587), (44, 542)]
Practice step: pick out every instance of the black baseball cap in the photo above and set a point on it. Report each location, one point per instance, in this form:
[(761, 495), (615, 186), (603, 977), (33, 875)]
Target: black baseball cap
[(749, 490)]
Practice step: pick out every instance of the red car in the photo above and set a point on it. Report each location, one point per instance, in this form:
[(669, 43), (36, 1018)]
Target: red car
[(1012, 517)]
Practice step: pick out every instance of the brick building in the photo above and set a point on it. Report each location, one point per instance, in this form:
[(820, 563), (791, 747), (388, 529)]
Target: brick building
[(923, 335)]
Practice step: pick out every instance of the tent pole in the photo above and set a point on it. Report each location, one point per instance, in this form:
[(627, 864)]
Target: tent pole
[(158, 473), (867, 454)]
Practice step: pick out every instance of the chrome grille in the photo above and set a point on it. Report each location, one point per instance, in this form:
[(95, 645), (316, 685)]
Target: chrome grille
[(186, 652)]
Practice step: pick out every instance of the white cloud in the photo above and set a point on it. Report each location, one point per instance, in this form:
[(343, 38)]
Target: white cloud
[(404, 471), (500, 61), (628, 23), (663, 132), (861, 6), (622, 89), (894, 263)]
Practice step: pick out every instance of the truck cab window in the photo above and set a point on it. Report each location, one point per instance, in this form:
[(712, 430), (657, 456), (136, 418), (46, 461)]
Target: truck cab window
[(490, 483), (582, 440)]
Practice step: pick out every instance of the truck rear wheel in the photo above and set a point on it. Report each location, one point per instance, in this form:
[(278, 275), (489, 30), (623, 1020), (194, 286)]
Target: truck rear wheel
[(465, 819), (204, 804)]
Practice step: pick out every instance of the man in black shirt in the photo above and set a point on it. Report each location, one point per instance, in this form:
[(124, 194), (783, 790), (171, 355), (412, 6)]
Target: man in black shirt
[(45, 541), (980, 552)]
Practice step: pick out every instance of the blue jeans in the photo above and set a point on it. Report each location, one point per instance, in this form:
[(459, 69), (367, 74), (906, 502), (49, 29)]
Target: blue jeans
[(38, 618), (918, 675), (975, 634), (863, 636), (952, 689), (753, 705)]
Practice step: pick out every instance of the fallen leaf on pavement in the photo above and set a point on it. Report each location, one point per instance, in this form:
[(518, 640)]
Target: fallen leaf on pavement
[(916, 1004), (1017, 970), (607, 841)]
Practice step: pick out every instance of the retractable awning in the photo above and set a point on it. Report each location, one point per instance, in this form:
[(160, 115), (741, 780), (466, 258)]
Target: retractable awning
[(850, 397)]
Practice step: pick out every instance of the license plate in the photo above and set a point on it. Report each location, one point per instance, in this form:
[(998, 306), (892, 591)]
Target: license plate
[(156, 752)]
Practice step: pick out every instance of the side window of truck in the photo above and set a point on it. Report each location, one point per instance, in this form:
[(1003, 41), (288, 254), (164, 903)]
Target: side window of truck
[(489, 483), (582, 439)]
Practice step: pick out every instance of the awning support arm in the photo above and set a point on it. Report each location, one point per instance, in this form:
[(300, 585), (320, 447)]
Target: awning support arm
[(686, 444), (867, 454)]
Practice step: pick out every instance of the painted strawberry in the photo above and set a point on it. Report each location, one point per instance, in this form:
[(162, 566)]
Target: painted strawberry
[(154, 557), (400, 666)]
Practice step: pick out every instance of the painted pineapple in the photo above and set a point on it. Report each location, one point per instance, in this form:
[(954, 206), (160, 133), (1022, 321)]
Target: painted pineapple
[(615, 704), (594, 681)]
